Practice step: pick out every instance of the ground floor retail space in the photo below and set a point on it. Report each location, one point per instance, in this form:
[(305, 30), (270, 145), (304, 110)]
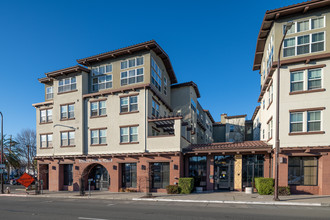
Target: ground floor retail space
[(304, 170)]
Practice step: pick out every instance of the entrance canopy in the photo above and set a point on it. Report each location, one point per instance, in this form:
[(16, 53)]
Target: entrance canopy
[(229, 147)]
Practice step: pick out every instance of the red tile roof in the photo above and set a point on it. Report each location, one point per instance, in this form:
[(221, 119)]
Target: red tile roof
[(228, 146)]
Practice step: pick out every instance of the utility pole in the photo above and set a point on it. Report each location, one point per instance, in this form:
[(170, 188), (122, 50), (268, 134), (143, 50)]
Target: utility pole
[(28, 158), (9, 171)]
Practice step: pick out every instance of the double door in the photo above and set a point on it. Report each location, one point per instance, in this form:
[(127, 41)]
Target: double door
[(223, 172)]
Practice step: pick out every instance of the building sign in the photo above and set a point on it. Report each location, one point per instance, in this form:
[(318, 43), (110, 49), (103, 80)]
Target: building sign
[(25, 180), (95, 161)]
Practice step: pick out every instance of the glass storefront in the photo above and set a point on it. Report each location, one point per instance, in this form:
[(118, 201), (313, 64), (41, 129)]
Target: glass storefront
[(129, 175), (224, 172), (160, 175), (198, 170), (253, 166)]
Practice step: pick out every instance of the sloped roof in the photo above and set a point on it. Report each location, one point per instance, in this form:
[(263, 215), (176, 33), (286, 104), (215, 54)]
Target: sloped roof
[(229, 146), (191, 83), (275, 14), (149, 45)]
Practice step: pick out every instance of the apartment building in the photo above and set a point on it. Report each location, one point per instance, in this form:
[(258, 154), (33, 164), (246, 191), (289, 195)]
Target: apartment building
[(304, 99)]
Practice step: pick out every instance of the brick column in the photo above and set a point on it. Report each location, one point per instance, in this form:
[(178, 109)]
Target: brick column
[(238, 173), (210, 172), (54, 177)]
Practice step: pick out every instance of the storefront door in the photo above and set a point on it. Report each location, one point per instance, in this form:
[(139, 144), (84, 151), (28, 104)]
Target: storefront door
[(223, 172)]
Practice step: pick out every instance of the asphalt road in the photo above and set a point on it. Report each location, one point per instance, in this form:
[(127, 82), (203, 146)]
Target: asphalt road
[(84, 209)]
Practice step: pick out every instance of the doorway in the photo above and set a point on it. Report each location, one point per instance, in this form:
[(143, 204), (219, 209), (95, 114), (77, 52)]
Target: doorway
[(99, 176), (224, 172)]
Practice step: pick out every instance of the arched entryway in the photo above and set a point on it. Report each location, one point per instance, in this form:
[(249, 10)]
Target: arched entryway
[(99, 176)]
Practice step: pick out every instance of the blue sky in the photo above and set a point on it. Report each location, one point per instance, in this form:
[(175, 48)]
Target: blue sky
[(209, 42)]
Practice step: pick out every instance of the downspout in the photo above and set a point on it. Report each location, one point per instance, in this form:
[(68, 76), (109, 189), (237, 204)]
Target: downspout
[(145, 118)]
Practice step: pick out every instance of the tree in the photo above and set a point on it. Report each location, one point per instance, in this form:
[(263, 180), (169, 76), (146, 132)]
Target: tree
[(26, 140), (11, 154)]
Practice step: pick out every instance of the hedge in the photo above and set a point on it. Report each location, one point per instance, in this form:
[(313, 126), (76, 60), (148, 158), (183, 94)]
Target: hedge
[(186, 185), (265, 186), (172, 189)]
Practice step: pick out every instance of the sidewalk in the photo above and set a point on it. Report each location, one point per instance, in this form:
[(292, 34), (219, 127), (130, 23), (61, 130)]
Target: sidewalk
[(206, 197)]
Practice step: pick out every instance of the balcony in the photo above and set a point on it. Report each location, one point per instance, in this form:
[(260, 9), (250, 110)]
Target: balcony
[(165, 135)]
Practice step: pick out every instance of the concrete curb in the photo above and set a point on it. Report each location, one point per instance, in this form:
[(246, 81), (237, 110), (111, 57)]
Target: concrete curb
[(232, 202), (278, 203)]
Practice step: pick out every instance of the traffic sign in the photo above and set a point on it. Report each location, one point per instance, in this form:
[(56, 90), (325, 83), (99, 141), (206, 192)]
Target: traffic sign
[(25, 180), (2, 166)]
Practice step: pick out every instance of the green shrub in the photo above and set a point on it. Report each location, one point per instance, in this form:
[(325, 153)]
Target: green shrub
[(264, 185), (172, 189), (284, 191), (186, 185)]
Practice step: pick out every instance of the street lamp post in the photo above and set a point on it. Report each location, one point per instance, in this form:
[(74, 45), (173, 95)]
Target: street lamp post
[(277, 140), (2, 151)]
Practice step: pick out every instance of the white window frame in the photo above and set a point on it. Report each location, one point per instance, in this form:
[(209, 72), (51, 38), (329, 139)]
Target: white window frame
[(129, 104), (129, 134), (63, 86), (49, 94), (98, 108), (156, 75), (314, 121), (135, 61), (68, 115), (128, 77), (96, 86), (298, 81), (310, 44), (98, 137), (155, 109), (296, 122), (96, 70), (48, 143), (310, 25), (70, 141), (48, 117), (308, 80)]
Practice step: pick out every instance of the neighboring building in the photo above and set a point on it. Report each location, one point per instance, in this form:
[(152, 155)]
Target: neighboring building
[(304, 93)]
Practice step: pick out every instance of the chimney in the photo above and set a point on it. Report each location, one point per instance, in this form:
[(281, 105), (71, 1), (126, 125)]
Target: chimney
[(223, 118)]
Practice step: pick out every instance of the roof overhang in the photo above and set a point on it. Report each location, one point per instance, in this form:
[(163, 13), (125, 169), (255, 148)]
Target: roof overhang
[(272, 15), (146, 46), (191, 83)]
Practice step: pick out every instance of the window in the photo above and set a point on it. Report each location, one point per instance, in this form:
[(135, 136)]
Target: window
[(297, 81), (303, 26), (129, 175), (129, 134), (98, 109), (46, 140), (46, 115), (132, 63), (252, 167), (231, 128), (303, 44), (263, 133), (67, 173), (67, 112), (314, 79), (314, 121), (296, 122), (154, 132), (165, 86), (160, 175), (318, 23), (156, 75), (303, 171), (67, 138), (291, 30), (131, 76), (155, 109), (67, 84), (263, 104), (271, 93), (128, 104), (198, 170), (313, 76), (49, 93), (102, 69), (270, 129), (98, 136), (102, 82)]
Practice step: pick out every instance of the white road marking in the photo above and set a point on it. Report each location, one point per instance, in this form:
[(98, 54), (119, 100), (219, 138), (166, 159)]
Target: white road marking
[(110, 204), (91, 218)]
